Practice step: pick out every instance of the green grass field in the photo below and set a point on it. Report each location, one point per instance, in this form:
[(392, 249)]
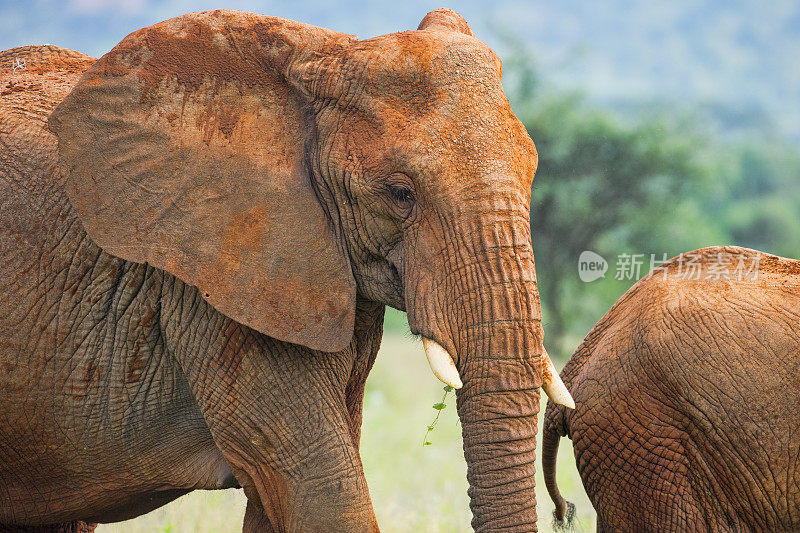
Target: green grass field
[(414, 488)]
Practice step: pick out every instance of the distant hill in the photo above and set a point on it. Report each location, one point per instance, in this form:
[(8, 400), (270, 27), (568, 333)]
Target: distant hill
[(740, 59)]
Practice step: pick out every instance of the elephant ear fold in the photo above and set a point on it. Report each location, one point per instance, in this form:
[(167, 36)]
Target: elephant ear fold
[(445, 19), (183, 147)]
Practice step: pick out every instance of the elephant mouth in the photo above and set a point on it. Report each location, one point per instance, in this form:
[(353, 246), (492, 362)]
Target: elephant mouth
[(444, 368)]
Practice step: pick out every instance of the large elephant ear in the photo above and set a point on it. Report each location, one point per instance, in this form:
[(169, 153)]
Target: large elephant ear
[(184, 147)]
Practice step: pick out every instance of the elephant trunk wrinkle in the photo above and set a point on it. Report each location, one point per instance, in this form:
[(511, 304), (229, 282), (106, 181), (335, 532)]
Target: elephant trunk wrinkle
[(499, 343)]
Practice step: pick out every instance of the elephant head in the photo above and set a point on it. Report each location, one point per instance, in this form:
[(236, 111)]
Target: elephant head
[(284, 169)]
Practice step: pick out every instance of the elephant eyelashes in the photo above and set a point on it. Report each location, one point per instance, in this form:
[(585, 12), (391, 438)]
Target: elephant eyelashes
[(401, 190), (401, 194)]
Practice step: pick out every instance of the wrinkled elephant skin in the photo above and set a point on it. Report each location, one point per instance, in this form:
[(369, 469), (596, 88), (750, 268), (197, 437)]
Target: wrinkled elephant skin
[(200, 232), (687, 395)]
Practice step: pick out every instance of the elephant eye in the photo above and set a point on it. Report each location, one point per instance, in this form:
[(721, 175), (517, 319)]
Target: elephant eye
[(401, 190), (401, 194)]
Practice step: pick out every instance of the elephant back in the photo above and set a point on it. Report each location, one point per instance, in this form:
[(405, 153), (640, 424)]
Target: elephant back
[(33, 80)]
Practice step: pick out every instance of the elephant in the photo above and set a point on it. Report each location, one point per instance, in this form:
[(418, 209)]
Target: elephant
[(200, 233), (687, 395)]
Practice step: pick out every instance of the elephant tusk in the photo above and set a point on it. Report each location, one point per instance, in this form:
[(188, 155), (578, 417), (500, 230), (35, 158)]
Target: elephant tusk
[(441, 363), (552, 384)]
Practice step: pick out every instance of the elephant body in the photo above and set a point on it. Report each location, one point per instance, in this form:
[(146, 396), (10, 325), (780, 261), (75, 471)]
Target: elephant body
[(687, 395), (200, 232), (100, 420)]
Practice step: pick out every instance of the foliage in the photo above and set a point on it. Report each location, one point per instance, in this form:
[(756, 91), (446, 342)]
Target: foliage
[(438, 406), (655, 186)]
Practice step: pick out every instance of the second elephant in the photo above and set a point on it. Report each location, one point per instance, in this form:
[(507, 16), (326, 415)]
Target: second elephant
[(688, 399)]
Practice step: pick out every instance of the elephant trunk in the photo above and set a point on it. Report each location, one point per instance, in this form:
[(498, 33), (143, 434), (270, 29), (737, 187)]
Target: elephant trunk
[(481, 305), (498, 408), (499, 339)]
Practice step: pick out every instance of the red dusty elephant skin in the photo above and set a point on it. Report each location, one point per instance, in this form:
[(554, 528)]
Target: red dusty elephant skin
[(688, 399), (199, 234)]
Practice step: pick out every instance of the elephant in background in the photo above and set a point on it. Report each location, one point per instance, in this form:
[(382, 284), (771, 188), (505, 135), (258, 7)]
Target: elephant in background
[(197, 247), (688, 399)]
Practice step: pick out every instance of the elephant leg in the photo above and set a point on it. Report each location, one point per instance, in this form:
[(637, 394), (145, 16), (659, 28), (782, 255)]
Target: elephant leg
[(637, 468), (67, 527), (301, 476), (294, 456), (645, 495), (279, 414), (367, 335), (626, 508)]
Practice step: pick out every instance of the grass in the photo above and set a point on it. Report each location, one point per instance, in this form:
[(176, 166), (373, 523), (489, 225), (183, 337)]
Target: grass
[(414, 488)]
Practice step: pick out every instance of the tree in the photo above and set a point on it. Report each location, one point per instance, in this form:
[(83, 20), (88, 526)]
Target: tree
[(604, 185)]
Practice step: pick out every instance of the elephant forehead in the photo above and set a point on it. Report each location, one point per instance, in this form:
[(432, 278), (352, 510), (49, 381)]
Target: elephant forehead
[(439, 95), (467, 138), (478, 146), (425, 68)]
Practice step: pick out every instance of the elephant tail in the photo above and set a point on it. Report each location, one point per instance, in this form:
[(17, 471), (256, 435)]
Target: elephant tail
[(554, 429)]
